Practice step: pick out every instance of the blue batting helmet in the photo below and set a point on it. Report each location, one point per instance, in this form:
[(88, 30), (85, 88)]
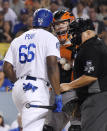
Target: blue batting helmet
[(42, 17)]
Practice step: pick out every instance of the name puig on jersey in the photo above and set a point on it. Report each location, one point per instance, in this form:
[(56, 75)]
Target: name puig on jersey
[(29, 36)]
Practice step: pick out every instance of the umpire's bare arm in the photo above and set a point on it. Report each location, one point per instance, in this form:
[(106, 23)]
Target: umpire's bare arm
[(80, 82)]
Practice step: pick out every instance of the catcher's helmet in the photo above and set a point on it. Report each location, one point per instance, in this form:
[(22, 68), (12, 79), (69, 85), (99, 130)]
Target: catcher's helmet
[(42, 18), (62, 19), (63, 15)]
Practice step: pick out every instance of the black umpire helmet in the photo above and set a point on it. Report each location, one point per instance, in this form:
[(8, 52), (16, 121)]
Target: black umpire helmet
[(77, 27)]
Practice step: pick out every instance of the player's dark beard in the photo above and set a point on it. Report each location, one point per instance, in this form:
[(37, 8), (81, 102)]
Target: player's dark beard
[(62, 42)]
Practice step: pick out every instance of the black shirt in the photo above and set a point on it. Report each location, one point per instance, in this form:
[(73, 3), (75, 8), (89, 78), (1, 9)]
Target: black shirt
[(91, 60)]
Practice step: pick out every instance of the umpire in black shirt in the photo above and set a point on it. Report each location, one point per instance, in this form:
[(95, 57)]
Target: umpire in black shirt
[(90, 71)]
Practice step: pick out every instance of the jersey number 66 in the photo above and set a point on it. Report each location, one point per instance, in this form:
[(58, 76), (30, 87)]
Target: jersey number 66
[(25, 53)]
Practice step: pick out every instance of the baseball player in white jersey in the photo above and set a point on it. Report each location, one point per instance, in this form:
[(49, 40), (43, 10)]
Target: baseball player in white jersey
[(31, 63)]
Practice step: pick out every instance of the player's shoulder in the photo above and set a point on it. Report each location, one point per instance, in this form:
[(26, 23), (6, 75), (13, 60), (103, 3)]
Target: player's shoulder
[(13, 41), (21, 36), (16, 40), (46, 34)]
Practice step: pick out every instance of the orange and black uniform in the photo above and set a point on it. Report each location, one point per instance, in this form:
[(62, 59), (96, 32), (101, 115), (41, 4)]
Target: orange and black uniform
[(66, 51)]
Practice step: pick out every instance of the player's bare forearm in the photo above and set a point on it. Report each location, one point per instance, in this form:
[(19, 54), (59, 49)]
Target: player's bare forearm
[(53, 73), (9, 72), (78, 83)]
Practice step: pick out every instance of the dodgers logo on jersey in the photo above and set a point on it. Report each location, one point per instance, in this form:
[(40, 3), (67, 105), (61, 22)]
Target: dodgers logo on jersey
[(58, 45), (89, 67)]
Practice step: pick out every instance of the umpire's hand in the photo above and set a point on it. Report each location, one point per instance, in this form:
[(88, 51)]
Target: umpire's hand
[(65, 87)]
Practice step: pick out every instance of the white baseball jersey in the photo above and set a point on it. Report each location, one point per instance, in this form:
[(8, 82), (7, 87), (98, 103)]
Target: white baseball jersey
[(28, 53)]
